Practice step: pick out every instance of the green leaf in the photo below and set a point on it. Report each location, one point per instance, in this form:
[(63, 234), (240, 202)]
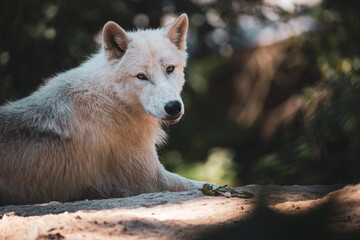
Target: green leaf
[(207, 190)]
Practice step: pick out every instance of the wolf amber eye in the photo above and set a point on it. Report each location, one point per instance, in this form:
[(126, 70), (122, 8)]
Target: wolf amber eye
[(141, 76), (170, 69)]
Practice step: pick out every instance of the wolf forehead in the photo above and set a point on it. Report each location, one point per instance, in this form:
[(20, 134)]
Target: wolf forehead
[(153, 47), (154, 43)]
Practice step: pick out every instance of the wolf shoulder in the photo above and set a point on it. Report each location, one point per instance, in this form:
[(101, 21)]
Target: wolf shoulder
[(45, 113)]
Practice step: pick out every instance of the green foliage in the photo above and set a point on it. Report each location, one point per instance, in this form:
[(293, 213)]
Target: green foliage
[(219, 167)]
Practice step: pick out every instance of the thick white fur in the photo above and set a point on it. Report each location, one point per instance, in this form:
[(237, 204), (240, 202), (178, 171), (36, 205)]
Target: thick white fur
[(92, 131)]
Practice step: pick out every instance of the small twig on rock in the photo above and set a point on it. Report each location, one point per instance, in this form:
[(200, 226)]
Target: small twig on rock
[(224, 191)]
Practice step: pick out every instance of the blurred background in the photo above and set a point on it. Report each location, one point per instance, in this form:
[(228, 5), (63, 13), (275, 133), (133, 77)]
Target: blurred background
[(272, 92)]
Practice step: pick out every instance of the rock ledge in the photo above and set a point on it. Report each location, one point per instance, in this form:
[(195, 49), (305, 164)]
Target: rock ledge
[(331, 211)]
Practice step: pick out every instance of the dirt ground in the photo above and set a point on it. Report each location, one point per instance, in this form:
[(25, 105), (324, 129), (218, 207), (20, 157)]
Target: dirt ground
[(275, 212)]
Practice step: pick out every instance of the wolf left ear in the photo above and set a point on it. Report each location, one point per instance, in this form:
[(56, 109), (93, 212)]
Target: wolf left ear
[(176, 31), (115, 40)]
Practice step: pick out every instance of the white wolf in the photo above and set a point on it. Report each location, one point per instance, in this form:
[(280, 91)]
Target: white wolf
[(92, 131)]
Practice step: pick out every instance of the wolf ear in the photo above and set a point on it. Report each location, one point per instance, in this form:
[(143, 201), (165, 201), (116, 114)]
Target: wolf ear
[(176, 31), (115, 40)]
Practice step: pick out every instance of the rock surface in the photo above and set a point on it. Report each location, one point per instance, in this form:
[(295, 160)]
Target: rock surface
[(288, 212)]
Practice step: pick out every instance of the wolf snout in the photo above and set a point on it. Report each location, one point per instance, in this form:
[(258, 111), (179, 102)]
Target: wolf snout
[(173, 109)]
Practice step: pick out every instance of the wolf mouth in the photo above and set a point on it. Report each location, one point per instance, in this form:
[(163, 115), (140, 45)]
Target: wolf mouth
[(169, 119), (173, 119)]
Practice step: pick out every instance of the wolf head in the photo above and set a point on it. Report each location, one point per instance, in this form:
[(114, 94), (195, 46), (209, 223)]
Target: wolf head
[(147, 67)]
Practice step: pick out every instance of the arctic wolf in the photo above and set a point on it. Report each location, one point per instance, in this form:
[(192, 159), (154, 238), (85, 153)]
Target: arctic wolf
[(92, 132)]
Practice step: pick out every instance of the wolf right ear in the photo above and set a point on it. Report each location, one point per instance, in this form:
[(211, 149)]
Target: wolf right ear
[(176, 31), (115, 40)]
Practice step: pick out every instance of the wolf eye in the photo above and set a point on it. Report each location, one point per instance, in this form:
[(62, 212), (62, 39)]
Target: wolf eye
[(170, 69), (141, 76)]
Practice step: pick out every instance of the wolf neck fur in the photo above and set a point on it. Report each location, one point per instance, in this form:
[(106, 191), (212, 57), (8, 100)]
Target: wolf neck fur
[(111, 109)]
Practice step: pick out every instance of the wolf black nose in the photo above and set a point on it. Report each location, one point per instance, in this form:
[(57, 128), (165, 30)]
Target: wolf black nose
[(173, 108)]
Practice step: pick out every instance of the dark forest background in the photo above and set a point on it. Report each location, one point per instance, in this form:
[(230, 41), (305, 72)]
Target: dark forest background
[(272, 93)]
